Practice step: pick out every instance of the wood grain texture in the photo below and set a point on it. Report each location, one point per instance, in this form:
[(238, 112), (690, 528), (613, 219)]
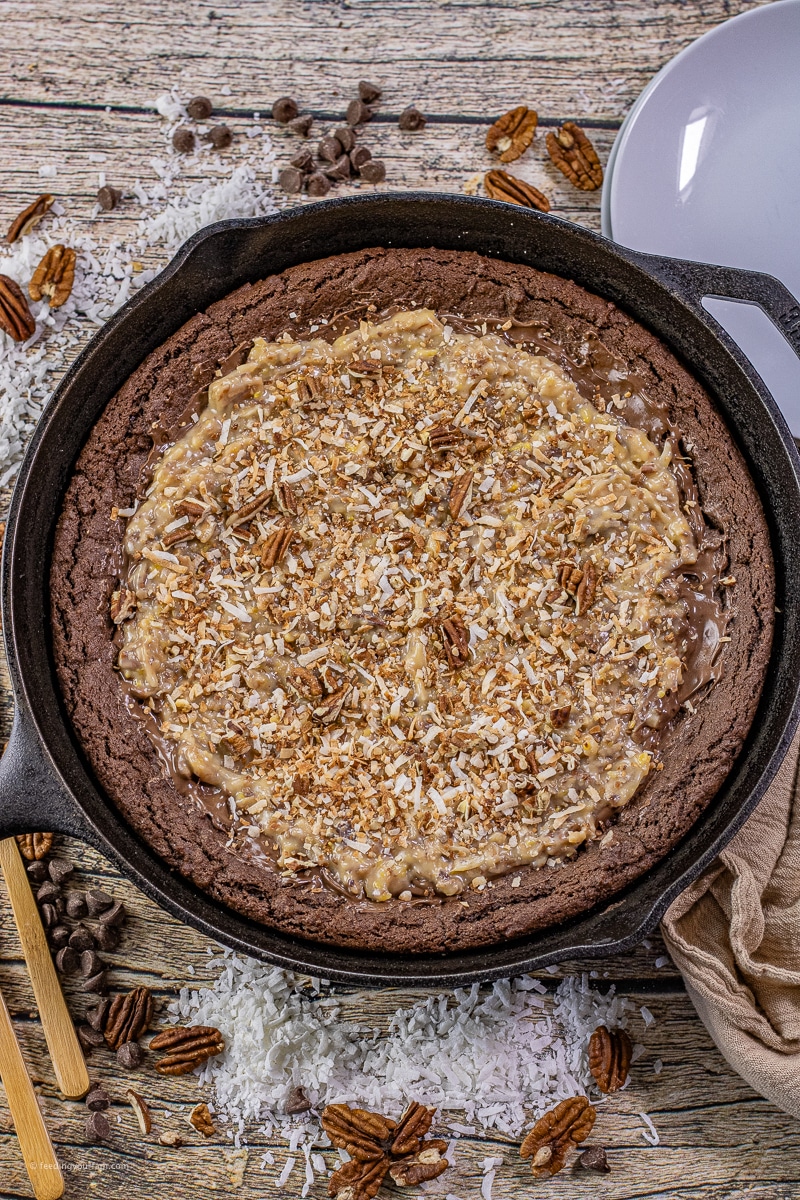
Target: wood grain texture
[(463, 62), (35, 1146)]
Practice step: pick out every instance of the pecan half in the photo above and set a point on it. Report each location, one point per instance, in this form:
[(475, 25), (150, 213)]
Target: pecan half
[(188, 507), (575, 156), (54, 276), (15, 316), (443, 437), (29, 217), (459, 491), (377, 1145), (609, 1057), (34, 846), (512, 133), (123, 605), (580, 582), (428, 1163), (286, 499), (358, 1180), (248, 510), (128, 1017), (359, 1132), (414, 1125), (276, 545), (186, 1048), (200, 1118), (499, 185), (455, 640), (554, 1134)]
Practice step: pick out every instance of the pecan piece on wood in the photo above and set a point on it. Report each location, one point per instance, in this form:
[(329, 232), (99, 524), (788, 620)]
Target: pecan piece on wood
[(455, 640), (459, 492), (575, 156), (123, 605), (186, 1047), (200, 1118), (358, 1180), (499, 185), (128, 1017), (29, 217), (427, 1163), (286, 499), (443, 437), (276, 545), (512, 133), (609, 1057), (361, 1133), (414, 1125), (54, 276), (34, 846), (554, 1134), (15, 316)]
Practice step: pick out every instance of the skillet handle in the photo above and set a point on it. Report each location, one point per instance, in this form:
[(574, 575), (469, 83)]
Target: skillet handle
[(32, 797), (694, 280)]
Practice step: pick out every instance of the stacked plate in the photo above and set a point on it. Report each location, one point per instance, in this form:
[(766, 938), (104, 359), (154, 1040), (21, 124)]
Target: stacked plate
[(707, 167)]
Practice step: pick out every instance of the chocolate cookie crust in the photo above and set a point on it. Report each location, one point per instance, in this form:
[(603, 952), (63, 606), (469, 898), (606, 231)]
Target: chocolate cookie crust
[(700, 748)]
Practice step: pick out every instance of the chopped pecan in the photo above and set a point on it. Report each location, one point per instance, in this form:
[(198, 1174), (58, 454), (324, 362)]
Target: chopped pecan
[(512, 133), (499, 185), (34, 846), (29, 217), (328, 709), (358, 1180), (128, 1017), (186, 1048), (200, 1117), (15, 316), (286, 499), (249, 509), (569, 576), (54, 276), (308, 389), (237, 743), (177, 535), (560, 716), (191, 508), (609, 1057), (276, 545), (575, 156), (455, 640), (443, 437), (123, 605), (365, 366), (587, 588), (140, 1110), (459, 491), (306, 682), (427, 1163), (554, 1134)]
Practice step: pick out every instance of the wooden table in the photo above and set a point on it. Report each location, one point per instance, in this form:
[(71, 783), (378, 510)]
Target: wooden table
[(78, 78)]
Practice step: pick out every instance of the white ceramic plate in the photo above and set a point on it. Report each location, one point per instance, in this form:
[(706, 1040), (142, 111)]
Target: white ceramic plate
[(707, 167)]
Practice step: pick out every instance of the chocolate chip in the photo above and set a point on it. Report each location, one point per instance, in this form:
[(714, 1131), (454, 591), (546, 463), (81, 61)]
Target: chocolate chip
[(107, 937), (199, 108), (339, 170), (357, 113), (91, 963), (329, 149), (49, 915), (96, 983), (220, 136), (373, 171), (369, 92), (109, 197), (301, 125), (594, 1159), (346, 136), (114, 915), (297, 1102), (97, 1099), (359, 156), (317, 184), (130, 1055), (96, 1016), (411, 119), (183, 140), (97, 901), (37, 871), (60, 870), (303, 161), (89, 1038), (67, 960), (76, 905), (48, 893), (98, 1128), (82, 939), (285, 109), (291, 179), (59, 937)]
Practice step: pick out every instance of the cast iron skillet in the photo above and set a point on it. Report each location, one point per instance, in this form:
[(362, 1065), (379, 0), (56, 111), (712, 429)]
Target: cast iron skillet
[(44, 781)]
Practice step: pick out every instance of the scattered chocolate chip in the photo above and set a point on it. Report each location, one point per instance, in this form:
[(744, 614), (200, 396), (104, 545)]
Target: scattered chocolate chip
[(304, 161), (48, 893), (357, 113), (109, 197), (346, 137), (199, 108), (97, 1128), (59, 937), (67, 960), (183, 140), (297, 1102), (301, 125), (89, 1038), (369, 92), (338, 170), (37, 871), (60, 870), (220, 136), (373, 171), (317, 184), (594, 1159), (130, 1055), (359, 156), (107, 937), (82, 939), (91, 963), (96, 1016), (285, 109), (96, 983), (49, 915), (114, 915), (76, 905), (329, 149), (291, 179), (97, 1099), (411, 119), (97, 901)]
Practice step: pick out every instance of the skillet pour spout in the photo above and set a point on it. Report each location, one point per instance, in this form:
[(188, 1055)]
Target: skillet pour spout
[(46, 783)]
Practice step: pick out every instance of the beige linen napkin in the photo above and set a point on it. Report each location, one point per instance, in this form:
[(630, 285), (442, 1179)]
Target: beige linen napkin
[(735, 937)]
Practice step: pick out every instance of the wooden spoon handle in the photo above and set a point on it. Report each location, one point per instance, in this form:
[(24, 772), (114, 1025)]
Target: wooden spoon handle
[(34, 1140), (62, 1041)]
